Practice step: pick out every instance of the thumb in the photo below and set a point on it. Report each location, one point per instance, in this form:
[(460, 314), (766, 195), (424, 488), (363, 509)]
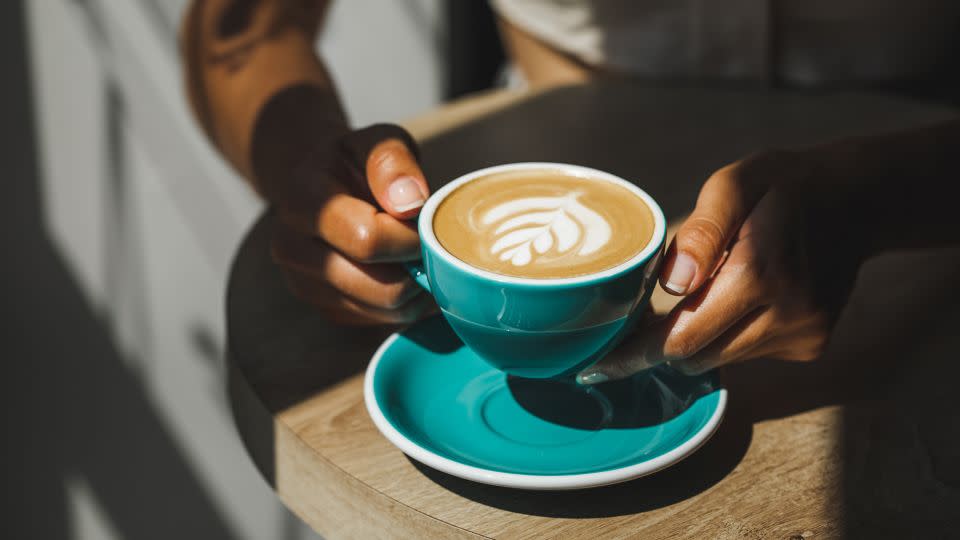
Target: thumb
[(725, 201), (386, 155)]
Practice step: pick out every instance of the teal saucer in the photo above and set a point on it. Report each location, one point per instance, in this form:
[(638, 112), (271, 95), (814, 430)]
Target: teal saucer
[(445, 407)]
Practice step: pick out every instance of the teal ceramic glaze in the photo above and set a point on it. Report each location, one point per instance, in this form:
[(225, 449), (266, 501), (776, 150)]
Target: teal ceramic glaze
[(538, 328), (442, 399)]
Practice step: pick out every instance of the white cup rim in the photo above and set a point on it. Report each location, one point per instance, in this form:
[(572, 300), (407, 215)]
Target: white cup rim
[(653, 245)]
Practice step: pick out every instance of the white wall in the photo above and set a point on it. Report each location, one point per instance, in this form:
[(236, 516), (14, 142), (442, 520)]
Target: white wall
[(148, 216), (386, 57)]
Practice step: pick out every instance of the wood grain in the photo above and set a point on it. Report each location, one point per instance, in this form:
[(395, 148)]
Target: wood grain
[(786, 463)]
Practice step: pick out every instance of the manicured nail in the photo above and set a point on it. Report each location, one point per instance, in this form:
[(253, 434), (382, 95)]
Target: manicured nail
[(684, 268), (592, 377), (405, 195)]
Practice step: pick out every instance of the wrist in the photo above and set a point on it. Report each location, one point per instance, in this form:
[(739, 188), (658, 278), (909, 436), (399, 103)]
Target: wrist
[(902, 187), (234, 81), (847, 184), (294, 124)]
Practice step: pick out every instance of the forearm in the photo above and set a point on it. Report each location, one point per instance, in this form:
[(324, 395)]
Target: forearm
[(895, 190), (239, 56)]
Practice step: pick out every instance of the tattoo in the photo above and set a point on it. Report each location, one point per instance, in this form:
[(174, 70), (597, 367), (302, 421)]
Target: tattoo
[(244, 24), (235, 57), (236, 18)]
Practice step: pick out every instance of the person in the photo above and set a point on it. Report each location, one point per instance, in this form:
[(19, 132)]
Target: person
[(767, 258)]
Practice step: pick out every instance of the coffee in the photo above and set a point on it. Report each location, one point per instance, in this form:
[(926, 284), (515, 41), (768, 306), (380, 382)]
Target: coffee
[(543, 224)]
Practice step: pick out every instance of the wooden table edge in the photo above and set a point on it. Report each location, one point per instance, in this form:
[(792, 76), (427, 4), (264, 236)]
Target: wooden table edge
[(250, 417)]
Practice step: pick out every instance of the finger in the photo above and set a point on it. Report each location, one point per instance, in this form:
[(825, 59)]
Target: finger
[(766, 333), (340, 308), (379, 285), (693, 324), (725, 200), (801, 344), (385, 154), (358, 230), (746, 339), (353, 226)]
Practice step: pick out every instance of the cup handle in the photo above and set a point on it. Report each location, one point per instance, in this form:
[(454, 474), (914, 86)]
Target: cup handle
[(417, 272)]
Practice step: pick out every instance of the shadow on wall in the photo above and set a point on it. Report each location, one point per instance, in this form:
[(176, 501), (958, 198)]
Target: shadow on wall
[(74, 412)]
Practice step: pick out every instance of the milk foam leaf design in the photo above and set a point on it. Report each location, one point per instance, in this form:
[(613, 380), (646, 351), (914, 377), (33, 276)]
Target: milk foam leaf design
[(537, 224)]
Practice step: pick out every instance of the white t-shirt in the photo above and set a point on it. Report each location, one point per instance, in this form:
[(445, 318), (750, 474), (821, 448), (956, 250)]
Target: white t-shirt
[(789, 42)]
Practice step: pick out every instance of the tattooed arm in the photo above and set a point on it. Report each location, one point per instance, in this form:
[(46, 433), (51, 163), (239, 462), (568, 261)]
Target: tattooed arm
[(344, 198), (240, 53)]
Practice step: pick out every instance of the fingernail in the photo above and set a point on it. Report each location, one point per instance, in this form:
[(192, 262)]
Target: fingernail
[(684, 268), (405, 195), (592, 377)]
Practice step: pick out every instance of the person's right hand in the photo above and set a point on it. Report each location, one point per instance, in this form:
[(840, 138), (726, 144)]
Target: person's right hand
[(346, 221), (765, 263)]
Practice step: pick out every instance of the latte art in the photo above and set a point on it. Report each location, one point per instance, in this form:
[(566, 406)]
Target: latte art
[(535, 225), (542, 224)]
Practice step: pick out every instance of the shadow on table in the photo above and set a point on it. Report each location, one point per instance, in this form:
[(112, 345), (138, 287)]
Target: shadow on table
[(788, 389), (699, 472), (275, 325), (646, 399), (901, 420)]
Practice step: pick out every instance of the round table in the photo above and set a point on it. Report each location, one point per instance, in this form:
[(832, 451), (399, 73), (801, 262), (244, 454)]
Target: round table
[(856, 443)]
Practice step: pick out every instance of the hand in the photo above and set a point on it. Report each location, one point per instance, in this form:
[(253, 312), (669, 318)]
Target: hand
[(344, 199), (763, 266), (345, 223)]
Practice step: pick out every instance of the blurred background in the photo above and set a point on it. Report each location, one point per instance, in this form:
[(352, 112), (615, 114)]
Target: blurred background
[(120, 230)]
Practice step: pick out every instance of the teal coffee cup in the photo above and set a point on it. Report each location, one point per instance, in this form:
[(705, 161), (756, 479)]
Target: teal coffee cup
[(538, 328)]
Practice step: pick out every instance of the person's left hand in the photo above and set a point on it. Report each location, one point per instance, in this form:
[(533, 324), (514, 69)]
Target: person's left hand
[(763, 267)]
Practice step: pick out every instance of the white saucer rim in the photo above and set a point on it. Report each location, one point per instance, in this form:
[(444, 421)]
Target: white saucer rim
[(530, 481)]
